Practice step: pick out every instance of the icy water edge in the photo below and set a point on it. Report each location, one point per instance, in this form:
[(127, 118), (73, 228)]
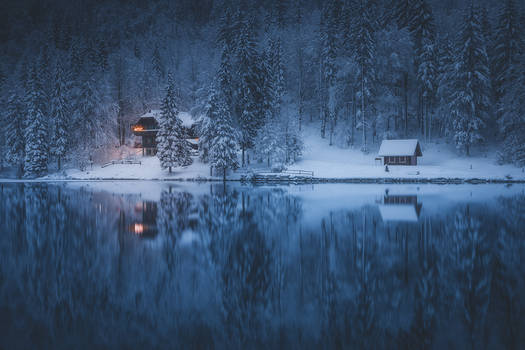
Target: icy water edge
[(160, 265)]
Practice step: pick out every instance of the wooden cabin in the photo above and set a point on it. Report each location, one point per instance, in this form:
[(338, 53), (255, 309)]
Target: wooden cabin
[(400, 152), (147, 126)]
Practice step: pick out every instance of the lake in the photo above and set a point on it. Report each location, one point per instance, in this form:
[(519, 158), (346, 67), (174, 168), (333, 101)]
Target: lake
[(180, 265)]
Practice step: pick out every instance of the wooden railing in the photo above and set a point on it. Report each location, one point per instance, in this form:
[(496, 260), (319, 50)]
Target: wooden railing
[(299, 172), (122, 161)]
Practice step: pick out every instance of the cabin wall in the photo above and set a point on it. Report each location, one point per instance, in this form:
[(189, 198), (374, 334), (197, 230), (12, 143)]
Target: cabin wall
[(400, 160)]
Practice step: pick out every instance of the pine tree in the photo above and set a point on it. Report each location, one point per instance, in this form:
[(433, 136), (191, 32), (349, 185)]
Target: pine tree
[(293, 140), (329, 28), (172, 148), (208, 120), (60, 115), (470, 101), (423, 32), (223, 136), (276, 76), (512, 110), (156, 60), (88, 119), (14, 117), (270, 143), (248, 108), (507, 49), (35, 134), (364, 43)]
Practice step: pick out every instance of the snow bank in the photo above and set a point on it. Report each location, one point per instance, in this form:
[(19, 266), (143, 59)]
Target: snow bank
[(327, 162)]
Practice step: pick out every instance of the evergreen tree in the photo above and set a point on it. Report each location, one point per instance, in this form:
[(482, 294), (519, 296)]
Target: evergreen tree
[(172, 147), (270, 143), (248, 108), (364, 43), (512, 109), (208, 120), (293, 140), (60, 115), (156, 60), (507, 49), (276, 76), (470, 103), (88, 116), (35, 134), (423, 32), (14, 118), (223, 136), (329, 29)]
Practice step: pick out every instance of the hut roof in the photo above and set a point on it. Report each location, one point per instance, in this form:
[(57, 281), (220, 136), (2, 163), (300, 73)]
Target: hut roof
[(400, 148)]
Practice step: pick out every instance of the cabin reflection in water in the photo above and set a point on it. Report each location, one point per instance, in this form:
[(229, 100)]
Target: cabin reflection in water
[(400, 208), (144, 221)]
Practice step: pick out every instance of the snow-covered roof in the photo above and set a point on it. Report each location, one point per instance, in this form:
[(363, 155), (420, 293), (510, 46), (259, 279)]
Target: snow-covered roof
[(400, 148), (400, 212), (185, 117)]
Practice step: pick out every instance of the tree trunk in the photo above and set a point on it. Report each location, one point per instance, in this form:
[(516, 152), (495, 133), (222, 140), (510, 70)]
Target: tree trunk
[(224, 174), (363, 106), (242, 155), (58, 163), (169, 169), (405, 84)]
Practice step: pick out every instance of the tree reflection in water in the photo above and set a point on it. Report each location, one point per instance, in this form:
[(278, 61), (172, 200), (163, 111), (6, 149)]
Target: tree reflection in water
[(241, 267)]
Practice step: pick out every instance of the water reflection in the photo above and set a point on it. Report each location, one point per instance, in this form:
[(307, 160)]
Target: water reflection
[(261, 267), (144, 220), (400, 208)]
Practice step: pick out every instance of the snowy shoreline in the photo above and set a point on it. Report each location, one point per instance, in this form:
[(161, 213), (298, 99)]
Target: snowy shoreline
[(315, 180)]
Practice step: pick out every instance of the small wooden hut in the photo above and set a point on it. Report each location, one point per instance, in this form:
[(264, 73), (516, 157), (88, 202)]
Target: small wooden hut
[(400, 152)]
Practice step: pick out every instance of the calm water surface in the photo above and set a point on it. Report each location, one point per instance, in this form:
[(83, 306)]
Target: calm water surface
[(158, 265)]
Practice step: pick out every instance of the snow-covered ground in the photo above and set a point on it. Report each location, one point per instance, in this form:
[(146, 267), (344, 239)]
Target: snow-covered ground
[(439, 161)]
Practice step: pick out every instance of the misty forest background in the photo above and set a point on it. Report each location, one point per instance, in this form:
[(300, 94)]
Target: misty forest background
[(75, 74)]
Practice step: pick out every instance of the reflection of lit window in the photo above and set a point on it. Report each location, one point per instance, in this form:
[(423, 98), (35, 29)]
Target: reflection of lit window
[(138, 229)]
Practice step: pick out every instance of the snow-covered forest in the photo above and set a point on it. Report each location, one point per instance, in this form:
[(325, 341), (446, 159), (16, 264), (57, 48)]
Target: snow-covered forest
[(75, 74)]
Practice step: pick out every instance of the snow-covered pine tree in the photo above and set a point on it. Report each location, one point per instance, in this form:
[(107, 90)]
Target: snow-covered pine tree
[(445, 73), (223, 145), (276, 75), (507, 49), (329, 28), (248, 108), (423, 32), (224, 75), (35, 133), (512, 121), (60, 113), (292, 138), (364, 45), (14, 119), (208, 120), (87, 118), (156, 60), (172, 147), (270, 142), (470, 101)]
